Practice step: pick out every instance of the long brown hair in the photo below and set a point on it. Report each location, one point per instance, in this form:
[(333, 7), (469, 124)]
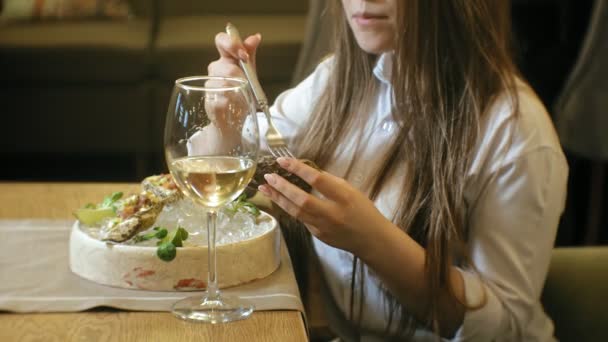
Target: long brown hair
[(451, 60)]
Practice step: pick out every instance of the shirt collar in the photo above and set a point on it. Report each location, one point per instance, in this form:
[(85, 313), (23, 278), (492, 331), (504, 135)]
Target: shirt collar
[(383, 68)]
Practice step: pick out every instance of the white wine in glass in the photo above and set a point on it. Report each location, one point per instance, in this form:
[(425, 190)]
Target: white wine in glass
[(213, 181), (211, 146)]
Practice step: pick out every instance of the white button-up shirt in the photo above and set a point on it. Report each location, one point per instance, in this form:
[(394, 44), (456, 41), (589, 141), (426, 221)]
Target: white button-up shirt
[(515, 193)]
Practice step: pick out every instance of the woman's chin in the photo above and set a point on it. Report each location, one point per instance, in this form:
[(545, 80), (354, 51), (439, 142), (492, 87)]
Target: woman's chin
[(373, 44)]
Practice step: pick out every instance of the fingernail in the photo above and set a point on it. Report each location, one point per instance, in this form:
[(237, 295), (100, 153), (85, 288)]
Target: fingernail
[(259, 35), (270, 178), (284, 162), (264, 190), (243, 55)]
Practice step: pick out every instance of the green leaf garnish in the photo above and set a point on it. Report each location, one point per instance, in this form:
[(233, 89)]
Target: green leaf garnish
[(90, 214), (158, 233), (109, 201), (166, 251), (243, 205)]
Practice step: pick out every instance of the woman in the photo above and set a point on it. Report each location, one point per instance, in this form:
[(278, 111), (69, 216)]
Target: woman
[(443, 178)]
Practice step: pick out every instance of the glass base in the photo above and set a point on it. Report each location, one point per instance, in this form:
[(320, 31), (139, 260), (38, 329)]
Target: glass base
[(221, 310)]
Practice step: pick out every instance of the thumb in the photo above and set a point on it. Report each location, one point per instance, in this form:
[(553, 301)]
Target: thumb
[(251, 44)]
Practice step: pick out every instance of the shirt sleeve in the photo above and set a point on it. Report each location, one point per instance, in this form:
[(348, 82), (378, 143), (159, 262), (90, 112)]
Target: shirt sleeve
[(291, 109), (512, 228)]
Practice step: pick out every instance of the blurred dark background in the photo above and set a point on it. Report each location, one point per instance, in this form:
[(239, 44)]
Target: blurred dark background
[(83, 99)]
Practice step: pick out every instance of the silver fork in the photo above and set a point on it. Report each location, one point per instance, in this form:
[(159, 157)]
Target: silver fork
[(276, 142)]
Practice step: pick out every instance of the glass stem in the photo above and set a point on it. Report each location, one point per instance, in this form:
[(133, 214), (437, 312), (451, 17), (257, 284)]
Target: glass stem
[(213, 292)]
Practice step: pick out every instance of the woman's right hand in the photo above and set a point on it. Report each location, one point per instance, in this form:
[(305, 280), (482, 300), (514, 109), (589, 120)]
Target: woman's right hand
[(231, 52), (228, 65)]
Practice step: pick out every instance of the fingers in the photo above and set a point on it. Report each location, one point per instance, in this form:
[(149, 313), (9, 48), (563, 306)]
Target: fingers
[(231, 52), (296, 195), (251, 43), (286, 204), (332, 187), (225, 66), (228, 48), (308, 219), (217, 105), (226, 110), (231, 48)]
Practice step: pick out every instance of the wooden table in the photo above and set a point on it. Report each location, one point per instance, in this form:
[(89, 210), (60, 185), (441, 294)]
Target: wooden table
[(55, 200)]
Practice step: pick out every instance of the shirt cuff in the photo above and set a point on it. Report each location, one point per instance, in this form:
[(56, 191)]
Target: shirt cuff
[(483, 323)]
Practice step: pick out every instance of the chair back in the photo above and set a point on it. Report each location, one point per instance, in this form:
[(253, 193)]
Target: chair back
[(576, 293)]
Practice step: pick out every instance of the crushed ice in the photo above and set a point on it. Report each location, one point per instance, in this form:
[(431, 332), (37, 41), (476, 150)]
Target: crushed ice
[(231, 227)]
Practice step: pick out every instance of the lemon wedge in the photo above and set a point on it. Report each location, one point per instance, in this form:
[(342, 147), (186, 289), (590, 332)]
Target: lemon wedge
[(90, 216)]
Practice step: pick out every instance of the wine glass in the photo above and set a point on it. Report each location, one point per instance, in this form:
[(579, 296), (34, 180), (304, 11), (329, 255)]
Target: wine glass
[(211, 147)]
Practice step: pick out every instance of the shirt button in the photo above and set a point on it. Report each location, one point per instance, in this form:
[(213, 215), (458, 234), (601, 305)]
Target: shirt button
[(387, 125)]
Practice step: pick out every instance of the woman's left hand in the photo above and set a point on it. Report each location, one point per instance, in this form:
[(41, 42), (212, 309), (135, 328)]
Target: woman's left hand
[(345, 218)]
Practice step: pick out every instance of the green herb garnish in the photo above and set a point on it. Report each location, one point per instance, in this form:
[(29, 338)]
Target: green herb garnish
[(167, 247), (158, 233), (166, 251), (168, 241), (91, 213), (110, 201), (243, 205)]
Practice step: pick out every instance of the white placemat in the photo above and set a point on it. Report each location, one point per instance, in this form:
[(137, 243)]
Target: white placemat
[(35, 277)]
